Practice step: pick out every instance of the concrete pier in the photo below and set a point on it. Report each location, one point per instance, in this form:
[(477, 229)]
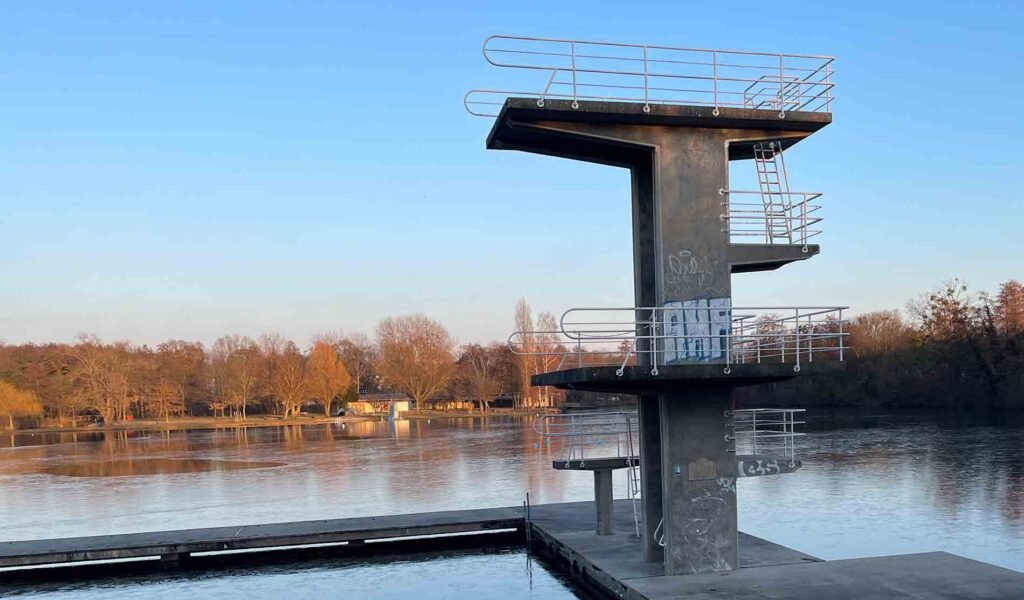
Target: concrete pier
[(608, 566), (174, 547), (613, 567)]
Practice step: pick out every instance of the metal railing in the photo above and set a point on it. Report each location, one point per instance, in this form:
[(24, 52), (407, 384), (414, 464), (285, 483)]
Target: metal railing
[(579, 70), (586, 435), (766, 432), (784, 218), (592, 435), (686, 333)]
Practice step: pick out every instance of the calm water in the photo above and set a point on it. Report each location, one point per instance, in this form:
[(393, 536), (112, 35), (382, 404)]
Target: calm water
[(480, 577), (871, 485)]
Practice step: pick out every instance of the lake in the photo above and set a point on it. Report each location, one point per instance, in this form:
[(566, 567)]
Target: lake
[(872, 484)]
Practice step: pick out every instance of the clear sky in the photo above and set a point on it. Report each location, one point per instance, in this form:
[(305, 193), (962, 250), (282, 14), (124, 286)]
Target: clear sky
[(188, 169)]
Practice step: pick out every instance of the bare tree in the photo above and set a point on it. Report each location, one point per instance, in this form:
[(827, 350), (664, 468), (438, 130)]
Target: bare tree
[(478, 375), (327, 374), (360, 357), (416, 355), (237, 364), (947, 314), (879, 332), (526, 359)]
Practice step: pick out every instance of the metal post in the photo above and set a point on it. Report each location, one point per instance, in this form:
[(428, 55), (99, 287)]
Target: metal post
[(753, 432), (575, 104), (828, 87), (647, 100), (810, 339), (841, 334), (714, 67), (797, 321), (782, 82)]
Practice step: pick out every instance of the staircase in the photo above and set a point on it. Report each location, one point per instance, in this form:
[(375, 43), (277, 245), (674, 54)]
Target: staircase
[(773, 183)]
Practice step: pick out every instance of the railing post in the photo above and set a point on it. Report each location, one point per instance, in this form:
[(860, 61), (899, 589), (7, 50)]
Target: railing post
[(810, 339), (803, 220), (828, 87), (841, 338), (797, 341), (782, 88), (579, 350), (547, 88), (753, 432), (575, 104), (647, 98), (728, 342), (714, 67)]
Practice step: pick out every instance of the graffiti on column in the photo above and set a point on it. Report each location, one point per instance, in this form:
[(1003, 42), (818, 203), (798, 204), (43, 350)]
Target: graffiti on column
[(690, 275), (701, 547), (696, 330)]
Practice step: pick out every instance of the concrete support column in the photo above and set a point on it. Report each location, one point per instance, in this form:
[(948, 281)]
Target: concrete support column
[(650, 476), (603, 499), (699, 481)]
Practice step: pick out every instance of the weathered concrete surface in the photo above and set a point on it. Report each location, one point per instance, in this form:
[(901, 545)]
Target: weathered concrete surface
[(931, 576), (613, 565), (698, 481), (603, 498), (751, 258), (639, 379), (565, 533), (520, 111), (183, 542), (650, 476), (593, 464)]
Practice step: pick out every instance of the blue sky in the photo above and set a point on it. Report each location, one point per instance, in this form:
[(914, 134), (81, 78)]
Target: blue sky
[(188, 169)]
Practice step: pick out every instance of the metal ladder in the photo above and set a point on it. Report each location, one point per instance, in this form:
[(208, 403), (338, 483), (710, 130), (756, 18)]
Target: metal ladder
[(773, 183), (633, 491)]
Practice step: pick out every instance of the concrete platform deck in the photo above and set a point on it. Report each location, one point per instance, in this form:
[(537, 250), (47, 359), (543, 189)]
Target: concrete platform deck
[(609, 565), (612, 566), (639, 379), (178, 543)]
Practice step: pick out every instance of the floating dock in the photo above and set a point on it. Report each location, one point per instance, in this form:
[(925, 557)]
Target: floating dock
[(609, 566)]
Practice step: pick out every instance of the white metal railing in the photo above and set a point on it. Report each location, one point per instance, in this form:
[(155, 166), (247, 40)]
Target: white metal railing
[(766, 432), (652, 74), (785, 218), (588, 435), (592, 435), (686, 333)]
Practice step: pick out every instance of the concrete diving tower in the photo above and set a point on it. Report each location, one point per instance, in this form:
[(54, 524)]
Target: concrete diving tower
[(675, 118)]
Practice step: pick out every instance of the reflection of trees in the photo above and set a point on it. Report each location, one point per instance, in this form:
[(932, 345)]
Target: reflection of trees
[(959, 462)]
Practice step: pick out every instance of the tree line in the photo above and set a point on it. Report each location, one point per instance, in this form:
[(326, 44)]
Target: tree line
[(950, 348), (268, 374)]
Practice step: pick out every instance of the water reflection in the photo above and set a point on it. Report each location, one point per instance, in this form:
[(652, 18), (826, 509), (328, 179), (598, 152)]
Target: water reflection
[(476, 576), (873, 484)]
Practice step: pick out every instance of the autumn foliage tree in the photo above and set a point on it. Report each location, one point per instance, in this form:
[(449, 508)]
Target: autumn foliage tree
[(328, 378), (16, 402), (285, 374), (416, 356)]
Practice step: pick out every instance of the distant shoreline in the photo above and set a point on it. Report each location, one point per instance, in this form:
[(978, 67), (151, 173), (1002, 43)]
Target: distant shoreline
[(196, 423)]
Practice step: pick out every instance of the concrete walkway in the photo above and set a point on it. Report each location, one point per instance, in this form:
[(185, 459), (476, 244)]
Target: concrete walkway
[(613, 565), (176, 544)]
